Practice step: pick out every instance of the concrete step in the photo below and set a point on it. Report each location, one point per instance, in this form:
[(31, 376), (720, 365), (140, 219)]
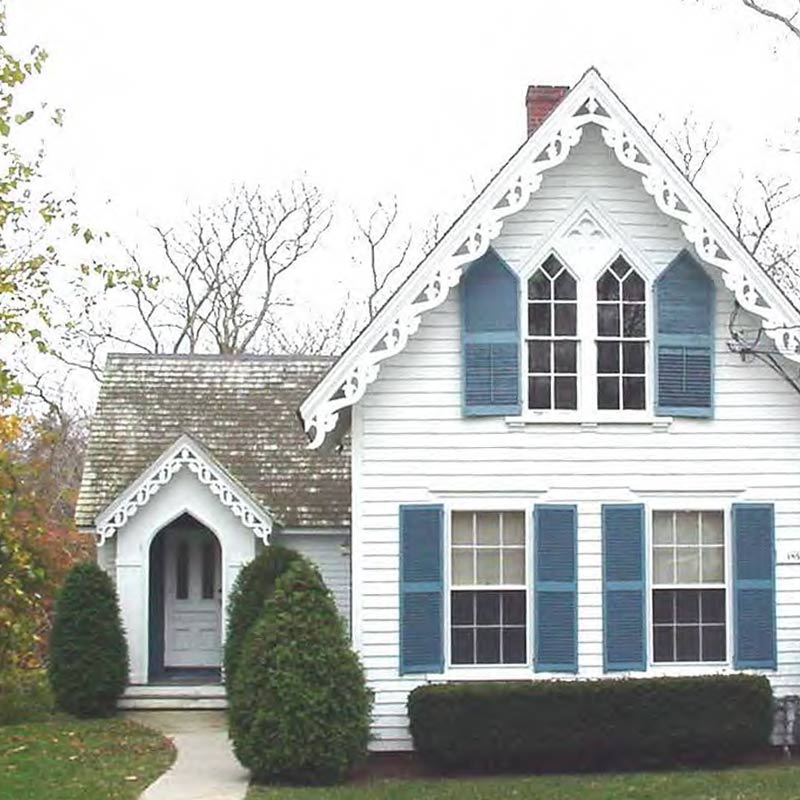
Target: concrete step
[(173, 697)]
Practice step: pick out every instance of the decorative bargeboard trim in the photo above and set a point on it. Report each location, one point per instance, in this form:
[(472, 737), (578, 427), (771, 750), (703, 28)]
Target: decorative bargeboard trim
[(184, 454), (635, 149)]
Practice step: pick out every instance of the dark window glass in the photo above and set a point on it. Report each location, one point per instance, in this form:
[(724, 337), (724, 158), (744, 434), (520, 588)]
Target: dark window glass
[(687, 607), (487, 608), (463, 646), (514, 646), (689, 625), (539, 319), (714, 643), (565, 287), (182, 572), (566, 356), (488, 627), (566, 393), (487, 645), (662, 607), (209, 569), (713, 605), (608, 287), (462, 611), (608, 393), (633, 320), (633, 288), (514, 608), (632, 358), (539, 392), (566, 319), (633, 393), (608, 320), (539, 356), (608, 357), (687, 643), (663, 644), (539, 286)]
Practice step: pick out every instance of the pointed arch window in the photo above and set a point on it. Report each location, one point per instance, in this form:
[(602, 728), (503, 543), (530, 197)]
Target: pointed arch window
[(621, 338), (552, 338)]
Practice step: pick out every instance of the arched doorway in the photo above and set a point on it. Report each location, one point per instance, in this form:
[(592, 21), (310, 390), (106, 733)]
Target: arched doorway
[(185, 609)]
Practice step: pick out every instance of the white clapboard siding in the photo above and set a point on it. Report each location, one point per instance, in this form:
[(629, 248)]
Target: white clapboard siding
[(412, 445), (330, 552)]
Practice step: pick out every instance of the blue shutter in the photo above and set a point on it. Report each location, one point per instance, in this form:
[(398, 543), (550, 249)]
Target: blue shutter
[(754, 585), (421, 602), (685, 340), (490, 338), (624, 634), (556, 584)]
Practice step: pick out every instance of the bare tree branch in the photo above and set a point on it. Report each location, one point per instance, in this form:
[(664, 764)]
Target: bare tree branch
[(787, 20)]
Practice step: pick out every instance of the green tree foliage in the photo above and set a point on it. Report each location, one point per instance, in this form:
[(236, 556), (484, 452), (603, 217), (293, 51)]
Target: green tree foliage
[(299, 706), (254, 584), (88, 666)]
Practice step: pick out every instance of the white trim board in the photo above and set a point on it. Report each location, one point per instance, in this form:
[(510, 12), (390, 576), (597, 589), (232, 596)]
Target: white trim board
[(590, 102)]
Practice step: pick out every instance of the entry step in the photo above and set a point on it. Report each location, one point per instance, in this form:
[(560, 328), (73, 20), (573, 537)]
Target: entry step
[(173, 697)]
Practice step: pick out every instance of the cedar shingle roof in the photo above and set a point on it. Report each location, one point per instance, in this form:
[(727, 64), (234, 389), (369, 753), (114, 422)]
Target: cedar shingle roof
[(242, 409)]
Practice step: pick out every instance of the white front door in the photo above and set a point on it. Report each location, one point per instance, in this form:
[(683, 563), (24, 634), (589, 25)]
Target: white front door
[(192, 599)]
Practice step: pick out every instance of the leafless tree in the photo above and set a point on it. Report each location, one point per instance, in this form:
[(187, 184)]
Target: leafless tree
[(216, 285), (691, 145), (786, 13)]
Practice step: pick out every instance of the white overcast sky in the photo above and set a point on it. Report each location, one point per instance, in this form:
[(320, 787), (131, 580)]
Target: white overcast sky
[(169, 102)]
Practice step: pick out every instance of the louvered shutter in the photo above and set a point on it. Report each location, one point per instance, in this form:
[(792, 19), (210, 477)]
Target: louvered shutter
[(556, 586), (421, 602), (490, 338), (754, 585), (624, 633), (684, 340)]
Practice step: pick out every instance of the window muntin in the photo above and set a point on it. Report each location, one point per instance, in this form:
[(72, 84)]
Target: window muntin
[(488, 598), (621, 338), (552, 337), (688, 580)]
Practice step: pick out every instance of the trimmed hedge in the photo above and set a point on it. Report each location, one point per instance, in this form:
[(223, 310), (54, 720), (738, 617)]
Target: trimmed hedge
[(581, 725), (88, 667), (253, 585), (299, 706)]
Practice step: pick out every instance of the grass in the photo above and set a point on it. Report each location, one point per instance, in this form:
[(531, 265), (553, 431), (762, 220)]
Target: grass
[(779, 781), (70, 759)]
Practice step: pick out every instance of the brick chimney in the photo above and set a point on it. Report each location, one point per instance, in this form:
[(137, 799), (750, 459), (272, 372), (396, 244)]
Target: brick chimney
[(540, 101)]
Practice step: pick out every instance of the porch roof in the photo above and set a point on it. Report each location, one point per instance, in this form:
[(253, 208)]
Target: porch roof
[(242, 409)]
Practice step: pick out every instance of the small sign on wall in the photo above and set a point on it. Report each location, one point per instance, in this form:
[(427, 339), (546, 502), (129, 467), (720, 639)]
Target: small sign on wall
[(788, 553)]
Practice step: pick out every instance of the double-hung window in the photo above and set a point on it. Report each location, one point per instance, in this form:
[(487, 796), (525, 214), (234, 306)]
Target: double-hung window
[(621, 338), (488, 599), (688, 580)]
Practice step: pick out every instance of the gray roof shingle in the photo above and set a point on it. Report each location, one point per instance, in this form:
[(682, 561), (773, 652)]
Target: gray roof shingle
[(242, 409)]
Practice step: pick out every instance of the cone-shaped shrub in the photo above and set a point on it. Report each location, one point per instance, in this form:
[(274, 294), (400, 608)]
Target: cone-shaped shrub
[(254, 584), (299, 706), (88, 666)]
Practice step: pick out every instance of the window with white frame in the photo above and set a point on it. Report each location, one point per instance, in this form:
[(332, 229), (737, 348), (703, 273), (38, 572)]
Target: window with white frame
[(688, 585), (621, 338), (552, 337), (488, 595)]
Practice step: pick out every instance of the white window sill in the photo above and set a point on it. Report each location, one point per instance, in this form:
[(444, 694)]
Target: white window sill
[(642, 419)]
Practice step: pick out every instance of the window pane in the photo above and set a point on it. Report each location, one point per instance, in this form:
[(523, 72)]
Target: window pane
[(713, 527), (488, 645), (514, 566), (209, 569), (608, 320), (463, 567), (687, 527), (621, 267), (463, 644), (566, 319), (182, 572), (514, 646), (687, 644), (663, 606), (488, 572), (462, 611), (513, 527), (713, 605), (662, 527), (487, 608), (566, 393), (633, 358), (539, 356), (633, 393), (565, 287), (607, 393), (552, 266), (688, 565), (539, 392), (714, 643), (608, 287), (633, 319), (462, 527), (539, 286), (663, 565), (539, 319), (566, 356), (713, 565), (633, 287), (608, 357), (488, 526), (687, 606), (513, 608), (663, 644)]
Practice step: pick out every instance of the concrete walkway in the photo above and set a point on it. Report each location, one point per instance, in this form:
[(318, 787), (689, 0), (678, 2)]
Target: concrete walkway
[(205, 768)]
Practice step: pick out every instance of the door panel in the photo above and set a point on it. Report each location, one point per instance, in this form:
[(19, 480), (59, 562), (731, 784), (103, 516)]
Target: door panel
[(192, 600)]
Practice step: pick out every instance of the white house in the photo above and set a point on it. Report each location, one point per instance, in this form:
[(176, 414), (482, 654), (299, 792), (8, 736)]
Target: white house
[(573, 436)]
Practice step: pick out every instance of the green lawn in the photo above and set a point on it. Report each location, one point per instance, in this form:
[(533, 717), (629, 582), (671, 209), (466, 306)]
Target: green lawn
[(772, 782), (69, 759)]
